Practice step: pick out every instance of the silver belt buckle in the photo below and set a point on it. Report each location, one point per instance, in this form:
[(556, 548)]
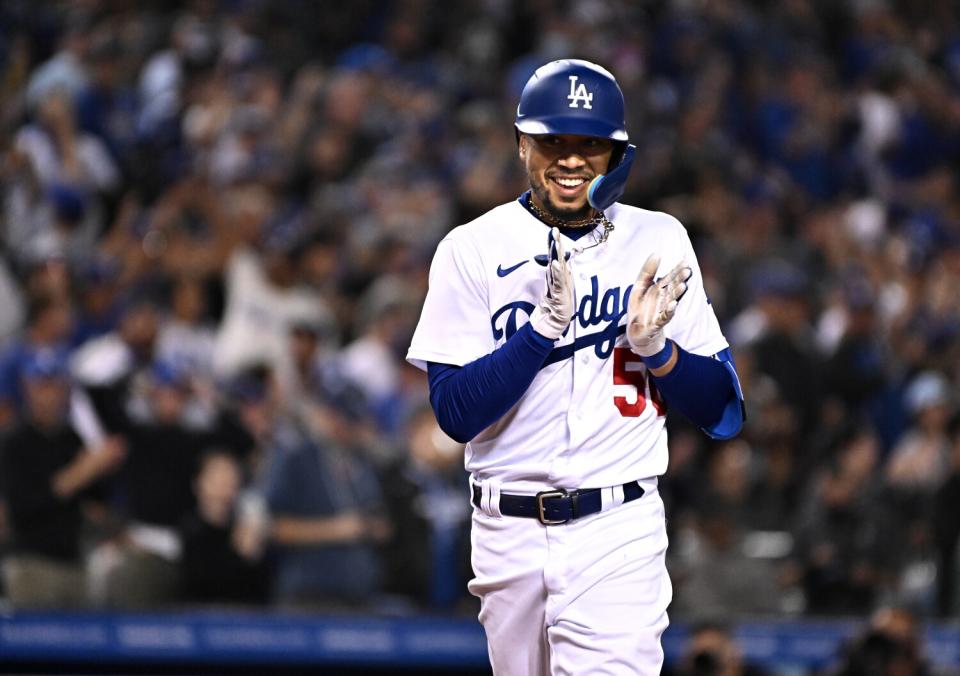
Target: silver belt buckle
[(541, 515)]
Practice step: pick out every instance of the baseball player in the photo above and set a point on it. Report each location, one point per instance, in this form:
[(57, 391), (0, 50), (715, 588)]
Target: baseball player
[(556, 332)]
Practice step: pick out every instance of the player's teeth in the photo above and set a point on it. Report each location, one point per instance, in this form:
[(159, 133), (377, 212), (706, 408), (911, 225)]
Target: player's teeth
[(569, 182)]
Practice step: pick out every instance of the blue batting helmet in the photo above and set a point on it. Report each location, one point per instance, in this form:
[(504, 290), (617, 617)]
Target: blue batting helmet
[(571, 96)]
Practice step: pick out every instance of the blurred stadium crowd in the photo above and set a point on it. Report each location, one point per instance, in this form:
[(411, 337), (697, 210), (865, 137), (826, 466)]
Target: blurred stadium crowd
[(217, 222)]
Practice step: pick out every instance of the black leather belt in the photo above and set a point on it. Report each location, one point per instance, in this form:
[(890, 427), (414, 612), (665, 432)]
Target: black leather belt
[(557, 506)]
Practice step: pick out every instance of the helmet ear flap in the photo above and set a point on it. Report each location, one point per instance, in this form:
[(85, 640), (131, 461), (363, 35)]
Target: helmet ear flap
[(606, 189), (619, 148)]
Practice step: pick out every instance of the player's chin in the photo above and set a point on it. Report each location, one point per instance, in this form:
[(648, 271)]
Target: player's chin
[(571, 208), (569, 197)]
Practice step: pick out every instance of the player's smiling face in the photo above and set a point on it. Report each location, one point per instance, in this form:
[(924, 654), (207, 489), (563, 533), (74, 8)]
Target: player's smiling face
[(560, 168)]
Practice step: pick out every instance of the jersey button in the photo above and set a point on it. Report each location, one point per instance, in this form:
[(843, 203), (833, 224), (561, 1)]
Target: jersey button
[(584, 359)]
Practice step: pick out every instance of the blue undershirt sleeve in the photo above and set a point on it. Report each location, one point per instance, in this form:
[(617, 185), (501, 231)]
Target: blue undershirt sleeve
[(707, 391), (468, 399)]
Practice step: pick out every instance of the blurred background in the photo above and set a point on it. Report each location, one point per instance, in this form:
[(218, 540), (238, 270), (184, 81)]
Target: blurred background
[(217, 222)]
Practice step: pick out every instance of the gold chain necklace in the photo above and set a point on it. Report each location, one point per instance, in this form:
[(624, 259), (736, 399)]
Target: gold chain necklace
[(593, 221), (553, 220)]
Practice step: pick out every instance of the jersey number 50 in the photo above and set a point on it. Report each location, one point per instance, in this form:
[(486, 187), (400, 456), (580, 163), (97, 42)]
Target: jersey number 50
[(631, 386)]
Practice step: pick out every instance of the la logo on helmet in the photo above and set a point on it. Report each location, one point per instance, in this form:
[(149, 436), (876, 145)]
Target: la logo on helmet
[(578, 94)]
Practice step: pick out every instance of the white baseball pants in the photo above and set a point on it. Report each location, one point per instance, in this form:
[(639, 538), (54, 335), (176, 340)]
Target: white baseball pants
[(586, 597)]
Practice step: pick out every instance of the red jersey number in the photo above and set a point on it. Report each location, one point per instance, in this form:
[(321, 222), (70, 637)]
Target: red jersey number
[(631, 386)]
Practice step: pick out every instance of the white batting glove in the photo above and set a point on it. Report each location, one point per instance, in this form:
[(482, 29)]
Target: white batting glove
[(652, 306), (555, 310)]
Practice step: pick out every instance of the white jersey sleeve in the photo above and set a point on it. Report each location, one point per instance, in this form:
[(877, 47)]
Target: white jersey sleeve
[(454, 325), (694, 327)]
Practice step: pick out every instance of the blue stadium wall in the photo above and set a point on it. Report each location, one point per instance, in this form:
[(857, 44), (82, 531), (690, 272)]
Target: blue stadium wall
[(221, 642)]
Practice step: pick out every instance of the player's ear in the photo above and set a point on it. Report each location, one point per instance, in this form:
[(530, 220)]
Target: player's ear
[(522, 146)]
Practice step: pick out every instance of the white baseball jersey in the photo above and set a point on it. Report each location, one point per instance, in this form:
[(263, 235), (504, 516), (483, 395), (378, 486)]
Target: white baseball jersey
[(589, 418)]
